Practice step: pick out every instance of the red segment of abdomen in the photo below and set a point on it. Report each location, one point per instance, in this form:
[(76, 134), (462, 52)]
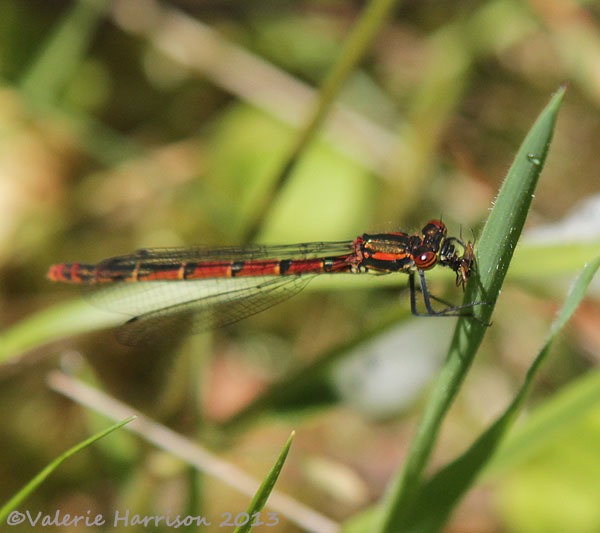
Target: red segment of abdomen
[(72, 273), (103, 273)]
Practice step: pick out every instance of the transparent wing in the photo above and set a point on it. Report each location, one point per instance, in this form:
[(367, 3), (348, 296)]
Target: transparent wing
[(176, 256), (156, 308), (199, 304)]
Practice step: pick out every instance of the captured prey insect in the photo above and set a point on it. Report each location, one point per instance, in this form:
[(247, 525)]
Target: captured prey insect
[(214, 287)]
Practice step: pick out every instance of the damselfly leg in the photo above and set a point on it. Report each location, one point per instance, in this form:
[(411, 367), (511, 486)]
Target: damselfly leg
[(450, 310)]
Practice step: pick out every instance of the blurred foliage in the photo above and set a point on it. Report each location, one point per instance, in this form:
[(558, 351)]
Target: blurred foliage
[(135, 124)]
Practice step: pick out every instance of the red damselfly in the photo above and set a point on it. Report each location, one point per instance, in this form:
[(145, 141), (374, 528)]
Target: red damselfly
[(214, 287)]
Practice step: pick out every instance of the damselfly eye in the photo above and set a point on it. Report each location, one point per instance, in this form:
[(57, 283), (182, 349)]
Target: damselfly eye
[(425, 260)]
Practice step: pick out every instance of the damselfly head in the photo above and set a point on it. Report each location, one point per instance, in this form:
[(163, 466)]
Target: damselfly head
[(434, 233)]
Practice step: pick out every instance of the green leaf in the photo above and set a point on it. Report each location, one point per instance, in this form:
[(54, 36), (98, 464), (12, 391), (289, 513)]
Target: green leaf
[(440, 495), (494, 253), (20, 496), (266, 487)]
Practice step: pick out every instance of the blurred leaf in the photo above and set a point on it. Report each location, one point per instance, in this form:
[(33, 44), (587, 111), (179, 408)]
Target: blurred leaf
[(64, 50), (326, 185), (556, 489), (310, 386), (549, 422), (373, 17), (56, 322)]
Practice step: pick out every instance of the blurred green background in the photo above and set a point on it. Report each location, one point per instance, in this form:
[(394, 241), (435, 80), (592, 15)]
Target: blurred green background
[(133, 123)]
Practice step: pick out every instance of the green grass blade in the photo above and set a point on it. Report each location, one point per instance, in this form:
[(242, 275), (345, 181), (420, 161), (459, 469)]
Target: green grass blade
[(63, 50), (494, 252), (20, 496), (441, 494), (56, 322), (562, 411), (550, 421), (357, 44), (503, 228), (262, 495)]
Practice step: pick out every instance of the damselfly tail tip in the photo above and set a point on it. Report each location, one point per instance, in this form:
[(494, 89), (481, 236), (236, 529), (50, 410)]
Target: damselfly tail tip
[(69, 273), (55, 272)]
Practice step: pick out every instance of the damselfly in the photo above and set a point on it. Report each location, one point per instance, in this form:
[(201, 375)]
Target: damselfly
[(214, 287)]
